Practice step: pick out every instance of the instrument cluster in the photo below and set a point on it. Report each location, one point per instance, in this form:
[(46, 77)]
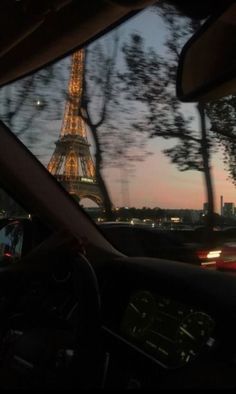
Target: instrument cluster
[(172, 333)]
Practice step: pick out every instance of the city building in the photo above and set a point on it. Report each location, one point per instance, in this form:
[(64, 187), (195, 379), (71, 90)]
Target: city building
[(205, 208), (228, 209), (221, 205)]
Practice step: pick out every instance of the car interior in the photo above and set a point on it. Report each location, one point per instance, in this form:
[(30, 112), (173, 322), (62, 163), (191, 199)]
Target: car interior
[(77, 310)]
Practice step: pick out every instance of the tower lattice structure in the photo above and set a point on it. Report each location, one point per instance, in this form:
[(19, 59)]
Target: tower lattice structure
[(71, 162)]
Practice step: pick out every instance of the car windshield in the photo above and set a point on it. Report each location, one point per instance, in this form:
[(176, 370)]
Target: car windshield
[(152, 172)]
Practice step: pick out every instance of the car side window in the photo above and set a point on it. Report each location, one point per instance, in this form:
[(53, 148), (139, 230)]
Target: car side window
[(11, 242), (11, 228)]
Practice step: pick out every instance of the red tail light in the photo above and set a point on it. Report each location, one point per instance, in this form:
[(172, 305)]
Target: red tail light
[(209, 258), (223, 259), (227, 260), (7, 254)]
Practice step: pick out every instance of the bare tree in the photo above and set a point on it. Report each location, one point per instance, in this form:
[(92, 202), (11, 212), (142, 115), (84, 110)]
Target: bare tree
[(151, 79), (31, 99), (107, 114)]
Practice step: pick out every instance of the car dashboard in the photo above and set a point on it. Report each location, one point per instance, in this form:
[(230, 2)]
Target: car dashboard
[(164, 324), (171, 333), (158, 337)]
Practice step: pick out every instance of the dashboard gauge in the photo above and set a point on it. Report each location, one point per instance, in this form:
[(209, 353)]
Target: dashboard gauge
[(193, 333), (171, 333), (161, 347), (139, 314)]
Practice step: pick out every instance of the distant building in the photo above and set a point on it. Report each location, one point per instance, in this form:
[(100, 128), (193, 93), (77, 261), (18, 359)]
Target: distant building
[(195, 215), (228, 209), (176, 219), (183, 215), (205, 208), (221, 205)]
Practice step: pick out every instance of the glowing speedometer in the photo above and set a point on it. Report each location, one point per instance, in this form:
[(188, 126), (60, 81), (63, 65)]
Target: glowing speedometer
[(139, 314), (171, 333), (194, 332)]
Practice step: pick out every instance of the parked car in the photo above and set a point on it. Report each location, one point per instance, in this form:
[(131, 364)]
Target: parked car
[(143, 240)]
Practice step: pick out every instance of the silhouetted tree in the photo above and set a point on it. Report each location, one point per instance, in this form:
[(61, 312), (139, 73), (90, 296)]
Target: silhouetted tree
[(32, 98), (151, 80), (107, 115), (27, 106), (222, 115)]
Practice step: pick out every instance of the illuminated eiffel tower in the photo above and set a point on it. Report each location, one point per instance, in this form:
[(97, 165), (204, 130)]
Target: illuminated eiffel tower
[(71, 162)]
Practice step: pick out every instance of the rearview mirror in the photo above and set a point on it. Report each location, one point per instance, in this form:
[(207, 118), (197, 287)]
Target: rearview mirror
[(207, 66)]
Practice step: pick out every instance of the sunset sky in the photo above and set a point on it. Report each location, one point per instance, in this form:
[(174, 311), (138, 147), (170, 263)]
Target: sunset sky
[(157, 182), (154, 182)]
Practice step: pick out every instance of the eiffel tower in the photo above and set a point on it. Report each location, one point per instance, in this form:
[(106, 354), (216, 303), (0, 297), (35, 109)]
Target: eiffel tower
[(71, 162)]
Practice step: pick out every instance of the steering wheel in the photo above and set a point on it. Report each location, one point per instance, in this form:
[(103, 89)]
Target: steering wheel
[(33, 359)]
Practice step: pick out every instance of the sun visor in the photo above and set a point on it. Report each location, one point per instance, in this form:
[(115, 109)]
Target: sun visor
[(32, 40)]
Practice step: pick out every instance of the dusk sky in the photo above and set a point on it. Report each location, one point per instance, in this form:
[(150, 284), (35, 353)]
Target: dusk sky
[(154, 182), (157, 183)]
